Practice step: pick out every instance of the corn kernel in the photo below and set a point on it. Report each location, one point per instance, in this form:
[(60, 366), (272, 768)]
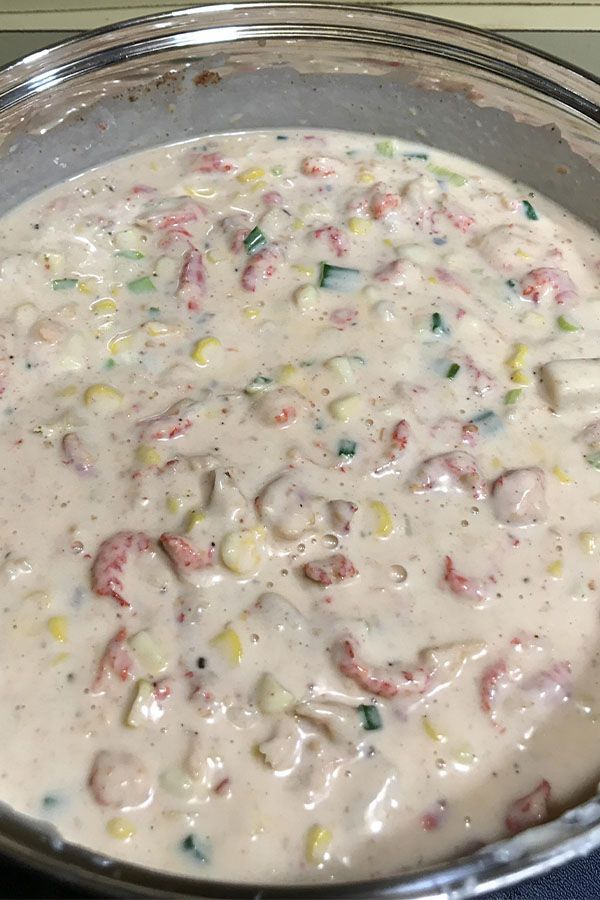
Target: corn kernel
[(162, 329), (366, 177), (297, 224), (148, 652), (206, 192), (58, 628), (148, 456), (195, 517), (533, 320), (517, 360), (271, 696), (242, 551), (519, 377), (497, 462), (341, 366), (345, 408), (206, 350), (120, 829), (59, 659), (306, 297), (288, 375), (174, 504), (432, 732), (589, 542), (305, 270), (86, 287), (384, 522), (102, 395), (432, 279), (464, 757), (522, 254), (556, 568), (103, 307), (229, 643), (69, 391), (144, 707), (251, 313), (213, 257), (258, 186), (318, 841), (561, 475), (121, 343), (359, 226), (250, 175)]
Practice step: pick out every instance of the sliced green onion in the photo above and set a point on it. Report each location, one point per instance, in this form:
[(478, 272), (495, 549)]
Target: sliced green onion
[(565, 325), (347, 448), (594, 460), (448, 175), (487, 422), (141, 285), (512, 396), (154, 310), (64, 284), (49, 801), (511, 283), (438, 326), (453, 370), (385, 148), (529, 210), (255, 241), (109, 364), (411, 155), (200, 850), (259, 383), (130, 254), (338, 278), (370, 717)]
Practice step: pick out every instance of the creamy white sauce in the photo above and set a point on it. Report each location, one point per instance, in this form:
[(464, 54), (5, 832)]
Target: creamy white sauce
[(375, 417)]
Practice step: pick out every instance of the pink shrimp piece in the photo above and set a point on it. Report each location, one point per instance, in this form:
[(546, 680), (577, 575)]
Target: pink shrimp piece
[(287, 416), (212, 162), (192, 280), (482, 380), (455, 471), (401, 435), (343, 317), (530, 810), (540, 284), (78, 454), (434, 817), (115, 659), (172, 218), (399, 441), (394, 273), (459, 218), (260, 268), (120, 780), (337, 240), (383, 202), (450, 279), (236, 229), (383, 681), (272, 198), (183, 556), (319, 166), (111, 559), (552, 685), (465, 587), (172, 427), (342, 512), (492, 679), (143, 189), (330, 570)]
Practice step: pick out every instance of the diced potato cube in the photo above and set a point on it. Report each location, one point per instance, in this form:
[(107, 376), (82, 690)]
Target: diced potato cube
[(148, 652)]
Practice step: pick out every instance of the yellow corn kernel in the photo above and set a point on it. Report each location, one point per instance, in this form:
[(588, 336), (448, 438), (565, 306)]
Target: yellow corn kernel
[(432, 732), (522, 254), (102, 395), (206, 192), (464, 757), (250, 175), (517, 360), (359, 226), (589, 542), (148, 456), (288, 375), (86, 287), (305, 270), (206, 350), (120, 829), (213, 257), (497, 462), (384, 522), (388, 242), (229, 644), (103, 307), (174, 504), (242, 551), (342, 367), (59, 659), (556, 568), (318, 841), (345, 408), (250, 312), (162, 329), (366, 177), (121, 343), (258, 186), (195, 517), (69, 391), (297, 224), (271, 696), (533, 320), (432, 279), (58, 628), (519, 377), (561, 475)]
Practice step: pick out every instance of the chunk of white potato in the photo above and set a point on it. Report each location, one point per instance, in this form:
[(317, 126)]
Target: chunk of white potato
[(572, 383), (271, 696)]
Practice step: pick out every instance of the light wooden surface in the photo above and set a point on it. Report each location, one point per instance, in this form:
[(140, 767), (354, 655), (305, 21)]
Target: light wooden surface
[(75, 15)]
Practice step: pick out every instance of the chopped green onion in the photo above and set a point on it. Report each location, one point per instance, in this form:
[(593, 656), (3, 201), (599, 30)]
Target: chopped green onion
[(453, 370), (594, 460), (448, 175), (255, 241), (415, 155), (130, 254), (49, 801), (529, 210), (346, 448), (385, 148), (438, 326), (338, 278), (565, 325), (141, 285), (487, 422), (370, 716), (154, 310), (512, 396), (200, 850), (64, 284), (511, 283), (109, 364), (259, 383)]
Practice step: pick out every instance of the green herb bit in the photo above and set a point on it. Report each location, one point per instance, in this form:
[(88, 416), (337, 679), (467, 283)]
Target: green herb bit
[(109, 364), (64, 284), (453, 370), (411, 155), (154, 310), (255, 241), (141, 285), (200, 850), (448, 175), (130, 254), (594, 460), (346, 448), (49, 801), (529, 210), (438, 326), (565, 325), (370, 717), (385, 148), (511, 283), (511, 397)]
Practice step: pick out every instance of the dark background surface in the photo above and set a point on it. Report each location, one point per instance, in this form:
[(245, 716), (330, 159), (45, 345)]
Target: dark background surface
[(580, 880)]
